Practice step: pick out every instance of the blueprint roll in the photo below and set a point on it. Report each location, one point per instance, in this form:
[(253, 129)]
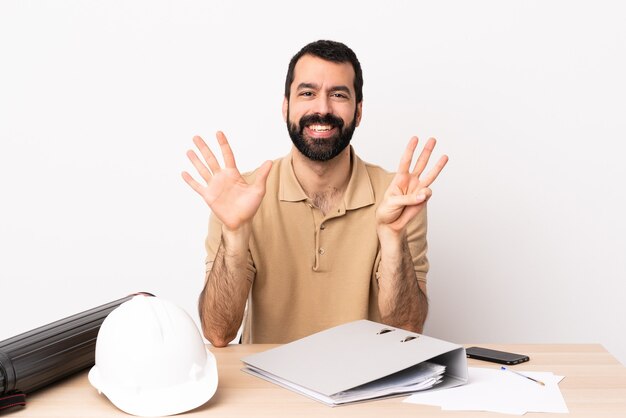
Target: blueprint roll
[(42, 356)]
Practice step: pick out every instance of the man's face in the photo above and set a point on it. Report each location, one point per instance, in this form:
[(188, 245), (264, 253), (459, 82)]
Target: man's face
[(322, 112)]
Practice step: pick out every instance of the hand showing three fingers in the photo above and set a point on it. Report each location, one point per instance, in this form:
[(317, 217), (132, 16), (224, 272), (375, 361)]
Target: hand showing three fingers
[(408, 192), (227, 193)]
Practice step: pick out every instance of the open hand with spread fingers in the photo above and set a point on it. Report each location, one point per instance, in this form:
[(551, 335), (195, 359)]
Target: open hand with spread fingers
[(408, 192), (227, 193)]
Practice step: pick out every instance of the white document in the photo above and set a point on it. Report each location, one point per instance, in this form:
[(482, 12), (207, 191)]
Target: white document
[(499, 391), (420, 377), (357, 361), (408, 381)]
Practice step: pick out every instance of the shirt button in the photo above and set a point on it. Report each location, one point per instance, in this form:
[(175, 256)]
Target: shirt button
[(321, 251)]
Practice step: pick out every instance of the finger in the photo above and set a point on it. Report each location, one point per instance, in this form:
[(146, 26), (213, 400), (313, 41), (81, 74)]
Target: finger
[(411, 199), (191, 182), (262, 172), (207, 154), (227, 152), (422, 160), (200, 167), (407, 157), (423, 195), (434, 172)]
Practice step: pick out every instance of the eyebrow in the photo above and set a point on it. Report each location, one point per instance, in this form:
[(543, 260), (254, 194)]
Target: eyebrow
[(307, 86), (316, 87)]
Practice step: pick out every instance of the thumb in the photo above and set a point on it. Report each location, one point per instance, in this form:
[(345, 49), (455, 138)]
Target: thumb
[(261, 175)]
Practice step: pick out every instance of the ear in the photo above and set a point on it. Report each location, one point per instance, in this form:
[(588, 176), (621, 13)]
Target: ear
[(285, 108), (359, 112)]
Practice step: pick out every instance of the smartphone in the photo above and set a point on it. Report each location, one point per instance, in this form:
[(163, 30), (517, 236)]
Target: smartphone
[(495, 356)]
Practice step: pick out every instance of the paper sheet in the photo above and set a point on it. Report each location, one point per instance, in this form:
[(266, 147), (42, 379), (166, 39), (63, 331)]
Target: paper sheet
[(420, 377), (499, 391)]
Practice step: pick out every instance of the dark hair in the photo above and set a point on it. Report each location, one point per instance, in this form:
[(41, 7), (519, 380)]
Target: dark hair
[(329, 51)]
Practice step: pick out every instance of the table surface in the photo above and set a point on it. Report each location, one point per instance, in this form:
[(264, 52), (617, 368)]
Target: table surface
[(594, 386)]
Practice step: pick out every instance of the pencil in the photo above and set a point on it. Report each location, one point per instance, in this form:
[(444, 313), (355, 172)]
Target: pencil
[(523, 375)]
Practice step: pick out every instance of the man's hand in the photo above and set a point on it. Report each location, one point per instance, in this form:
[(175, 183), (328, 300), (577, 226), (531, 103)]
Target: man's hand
[(234, 202), (229, 196), (402, 298), (408, 193)]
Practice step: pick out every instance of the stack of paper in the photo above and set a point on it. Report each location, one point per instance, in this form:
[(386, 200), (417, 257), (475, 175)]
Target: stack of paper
[(499, 391), (420, 377)]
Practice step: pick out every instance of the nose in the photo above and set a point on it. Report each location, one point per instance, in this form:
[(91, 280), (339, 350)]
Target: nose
[(323, 105)]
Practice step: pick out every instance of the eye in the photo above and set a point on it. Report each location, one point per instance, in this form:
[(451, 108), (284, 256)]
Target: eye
[(306, 94)]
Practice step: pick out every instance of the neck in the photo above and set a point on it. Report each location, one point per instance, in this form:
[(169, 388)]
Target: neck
[(323, 181)]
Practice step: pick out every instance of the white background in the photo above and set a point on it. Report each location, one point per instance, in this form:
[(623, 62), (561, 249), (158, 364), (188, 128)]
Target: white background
[(99, 101)]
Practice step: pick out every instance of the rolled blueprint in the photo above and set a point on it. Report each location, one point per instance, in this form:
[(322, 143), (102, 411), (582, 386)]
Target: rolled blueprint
[(39, 357)]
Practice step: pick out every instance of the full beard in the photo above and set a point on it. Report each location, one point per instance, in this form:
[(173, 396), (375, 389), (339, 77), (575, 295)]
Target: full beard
[(321, 149)]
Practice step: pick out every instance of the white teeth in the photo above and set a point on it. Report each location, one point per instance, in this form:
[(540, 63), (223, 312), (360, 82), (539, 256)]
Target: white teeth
[(320, 128)]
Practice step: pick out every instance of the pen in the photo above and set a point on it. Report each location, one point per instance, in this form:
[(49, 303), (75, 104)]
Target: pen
[(523, 375)]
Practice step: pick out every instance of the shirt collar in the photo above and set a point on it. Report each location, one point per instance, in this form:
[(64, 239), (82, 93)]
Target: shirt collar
[(359, 192)]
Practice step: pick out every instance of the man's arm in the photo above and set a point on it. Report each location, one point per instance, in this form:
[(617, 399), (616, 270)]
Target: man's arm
[(402, 298), (223, 300), (234, 202)]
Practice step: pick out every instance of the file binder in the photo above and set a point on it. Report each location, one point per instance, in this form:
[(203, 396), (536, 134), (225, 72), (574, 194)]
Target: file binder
[(334, 366)]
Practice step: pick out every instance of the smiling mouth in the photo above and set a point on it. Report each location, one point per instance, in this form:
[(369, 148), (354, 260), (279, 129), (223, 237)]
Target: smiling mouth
[(320, 128)]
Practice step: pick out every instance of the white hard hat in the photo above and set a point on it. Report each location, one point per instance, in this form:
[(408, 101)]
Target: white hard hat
[(151, 359)]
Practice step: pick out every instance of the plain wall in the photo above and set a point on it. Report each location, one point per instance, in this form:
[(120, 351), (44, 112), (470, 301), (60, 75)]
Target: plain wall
[(99, 101)]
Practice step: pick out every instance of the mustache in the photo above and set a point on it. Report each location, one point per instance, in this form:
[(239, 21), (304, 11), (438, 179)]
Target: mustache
[(326, 119)]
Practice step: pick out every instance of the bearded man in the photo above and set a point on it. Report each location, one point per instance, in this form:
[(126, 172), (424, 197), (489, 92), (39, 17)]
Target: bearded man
[(317, 238)]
